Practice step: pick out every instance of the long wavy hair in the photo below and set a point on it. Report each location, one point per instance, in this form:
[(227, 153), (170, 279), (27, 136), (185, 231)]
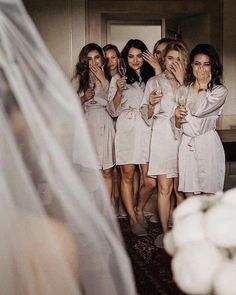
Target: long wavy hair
[(82, 66), (216, 66), (182, 49), (146, 70)]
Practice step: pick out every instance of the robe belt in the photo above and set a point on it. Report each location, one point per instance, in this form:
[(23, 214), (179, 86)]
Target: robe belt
[(131, 111), (93, 107), (192, 140)]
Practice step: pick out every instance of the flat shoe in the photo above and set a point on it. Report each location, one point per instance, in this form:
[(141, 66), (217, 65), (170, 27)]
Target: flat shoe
[(142, 220), (154, 219), (138, 230)]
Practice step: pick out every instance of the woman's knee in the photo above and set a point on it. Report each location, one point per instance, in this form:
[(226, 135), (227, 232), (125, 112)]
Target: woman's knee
[(149, 183), (165, 190), (127, 172), (107, 173)]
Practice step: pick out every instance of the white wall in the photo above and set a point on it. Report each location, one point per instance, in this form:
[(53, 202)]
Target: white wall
[(61, 24), (228, 119), (120, 34)]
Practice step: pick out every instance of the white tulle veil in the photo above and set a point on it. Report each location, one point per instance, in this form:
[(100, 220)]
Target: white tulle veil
[(57, 229)]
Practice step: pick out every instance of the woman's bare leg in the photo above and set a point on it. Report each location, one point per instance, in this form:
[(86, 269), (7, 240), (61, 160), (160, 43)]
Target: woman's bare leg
[(136, 184), (179, 195), (127, 190), (108, 178), (165, 186), (147, 187)]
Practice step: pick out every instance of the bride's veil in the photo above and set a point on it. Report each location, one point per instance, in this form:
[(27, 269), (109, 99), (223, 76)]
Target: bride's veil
[(58, 232)]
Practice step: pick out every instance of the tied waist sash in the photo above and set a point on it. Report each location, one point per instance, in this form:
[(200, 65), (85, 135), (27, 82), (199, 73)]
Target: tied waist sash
[(193, 139), (131, 112)]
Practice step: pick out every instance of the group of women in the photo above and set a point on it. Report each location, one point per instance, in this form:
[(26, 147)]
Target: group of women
[(165, 107)]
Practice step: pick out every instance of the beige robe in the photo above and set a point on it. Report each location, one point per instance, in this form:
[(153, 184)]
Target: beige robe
[(101, 127), (164, 145), (201, 154), (132, 133)]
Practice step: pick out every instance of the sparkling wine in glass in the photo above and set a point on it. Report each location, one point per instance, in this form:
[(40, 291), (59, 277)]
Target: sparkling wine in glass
[(182, 100), (122, 69), (92, 85), (159, 92)]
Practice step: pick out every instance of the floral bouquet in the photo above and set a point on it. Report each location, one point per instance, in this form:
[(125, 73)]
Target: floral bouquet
[(203, 244)]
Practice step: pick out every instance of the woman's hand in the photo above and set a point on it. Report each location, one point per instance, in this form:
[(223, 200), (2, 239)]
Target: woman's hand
[(89, 94), (178, 71), (203, 78), (180, 113), (97, 72), (153, 61), (155, 97), (120, 83)]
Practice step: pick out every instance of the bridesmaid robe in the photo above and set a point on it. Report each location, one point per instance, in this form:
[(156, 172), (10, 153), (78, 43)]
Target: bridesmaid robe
[(201, 154), (164, 145), (132, 137), (101, 126)]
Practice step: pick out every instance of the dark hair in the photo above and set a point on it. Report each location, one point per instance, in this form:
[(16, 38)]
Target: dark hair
[(146, 70), (111, 47), (216, 66), (82, 68)]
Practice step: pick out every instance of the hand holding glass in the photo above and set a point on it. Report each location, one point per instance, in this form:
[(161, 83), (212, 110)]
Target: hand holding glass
[(122, 69), (182, 100), (158, 91)]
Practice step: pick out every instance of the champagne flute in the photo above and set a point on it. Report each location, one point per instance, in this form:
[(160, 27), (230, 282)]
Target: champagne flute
[(182, 100), (92, 85), (158, 91), (122, 69)]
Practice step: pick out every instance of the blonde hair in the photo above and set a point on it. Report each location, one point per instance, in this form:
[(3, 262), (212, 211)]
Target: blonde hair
[(181, 47)]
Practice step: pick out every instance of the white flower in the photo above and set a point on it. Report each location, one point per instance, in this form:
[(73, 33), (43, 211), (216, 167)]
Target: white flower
[(195, 265), (188, 229), (189, 206), (169, 244), (229, 197), (225, 278), (220, 225)]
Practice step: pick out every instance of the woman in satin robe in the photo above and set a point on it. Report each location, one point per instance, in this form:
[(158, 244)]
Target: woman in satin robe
[(201, 154)]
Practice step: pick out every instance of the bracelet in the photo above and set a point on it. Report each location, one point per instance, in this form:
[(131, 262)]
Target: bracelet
[(202, 89)]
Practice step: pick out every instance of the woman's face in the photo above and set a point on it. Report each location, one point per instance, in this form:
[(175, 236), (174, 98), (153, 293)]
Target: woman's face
[(135, 59), (159, 52), (94, 58), (201, 61), (112, 58), (171, 57)]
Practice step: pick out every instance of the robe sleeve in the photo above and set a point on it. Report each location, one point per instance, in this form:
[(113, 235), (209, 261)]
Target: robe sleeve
[(111, 94), (176, 131), (144, 106), (106, 88), (209, 103)]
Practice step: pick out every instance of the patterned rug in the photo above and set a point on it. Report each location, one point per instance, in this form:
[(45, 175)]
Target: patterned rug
[(151, 265)]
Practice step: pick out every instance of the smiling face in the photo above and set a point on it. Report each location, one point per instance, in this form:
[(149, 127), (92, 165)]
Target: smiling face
[(201, 61), (171, 57), (94, 58), (112, 59), (135, 59)]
